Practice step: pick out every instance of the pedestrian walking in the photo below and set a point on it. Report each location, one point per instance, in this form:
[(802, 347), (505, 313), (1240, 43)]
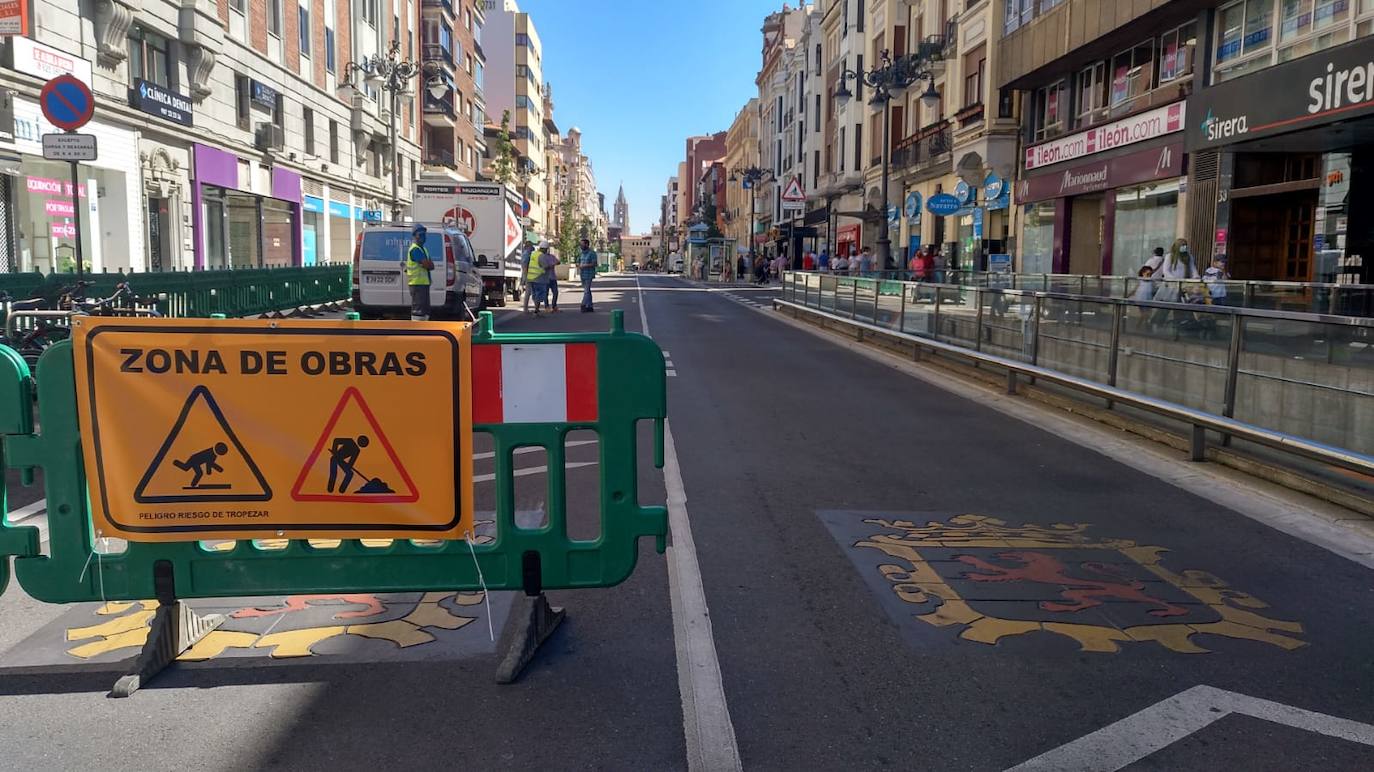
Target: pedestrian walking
[(866, 262), (1175, 269), (418, 266), (1145, 290), (586, 265), (823, 262), (841, 264)]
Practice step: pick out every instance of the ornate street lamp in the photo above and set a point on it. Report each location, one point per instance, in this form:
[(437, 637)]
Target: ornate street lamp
[(392, 74), (890, 78), (749, 178)]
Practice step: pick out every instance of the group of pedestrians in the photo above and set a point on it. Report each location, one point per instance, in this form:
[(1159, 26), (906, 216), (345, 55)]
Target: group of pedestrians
[(1173, 277), (541, 276)]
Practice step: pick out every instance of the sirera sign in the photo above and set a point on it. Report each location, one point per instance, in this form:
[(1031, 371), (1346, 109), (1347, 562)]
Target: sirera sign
[(1332, 85)]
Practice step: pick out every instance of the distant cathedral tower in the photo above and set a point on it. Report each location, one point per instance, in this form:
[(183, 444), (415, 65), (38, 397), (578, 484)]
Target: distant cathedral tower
[(621, 217)]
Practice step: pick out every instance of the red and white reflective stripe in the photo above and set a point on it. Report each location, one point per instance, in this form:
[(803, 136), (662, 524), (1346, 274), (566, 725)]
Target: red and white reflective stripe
[(534, 383)]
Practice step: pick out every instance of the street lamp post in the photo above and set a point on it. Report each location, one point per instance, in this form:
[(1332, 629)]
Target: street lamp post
[(392, 74), (749, 177), (887, 79)]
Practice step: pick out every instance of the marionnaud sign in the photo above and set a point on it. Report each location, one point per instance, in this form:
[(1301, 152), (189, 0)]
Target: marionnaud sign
[(1335, 84), (942, 204), (1158, 122), (156, 100)]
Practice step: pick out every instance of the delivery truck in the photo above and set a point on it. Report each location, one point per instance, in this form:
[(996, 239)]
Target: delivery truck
[(486, 212)]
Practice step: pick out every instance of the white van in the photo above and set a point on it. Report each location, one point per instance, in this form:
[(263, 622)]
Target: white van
[(379, 273)]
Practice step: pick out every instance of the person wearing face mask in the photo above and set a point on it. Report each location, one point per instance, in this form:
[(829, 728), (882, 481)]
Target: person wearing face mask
[(1176, 268)]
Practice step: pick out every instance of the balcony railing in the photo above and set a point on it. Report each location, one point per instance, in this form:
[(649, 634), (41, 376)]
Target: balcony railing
[(926, 148), (440, 158), (447, 5), (443, 105), (435, 53)]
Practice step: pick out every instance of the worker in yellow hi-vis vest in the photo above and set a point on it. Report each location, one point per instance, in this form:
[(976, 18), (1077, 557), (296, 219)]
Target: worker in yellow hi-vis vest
[(418, 266)]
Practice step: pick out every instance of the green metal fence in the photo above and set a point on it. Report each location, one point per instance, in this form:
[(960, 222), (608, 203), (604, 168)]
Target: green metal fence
[(631, 388), (198, 294)]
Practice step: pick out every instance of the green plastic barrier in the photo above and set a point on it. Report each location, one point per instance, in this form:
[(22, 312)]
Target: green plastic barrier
[(631, 388), (198, 294)]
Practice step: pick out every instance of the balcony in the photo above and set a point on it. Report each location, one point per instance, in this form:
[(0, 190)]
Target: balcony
[(445, 5), (442, 158), (927, 153), (440, 112), (439, 55)]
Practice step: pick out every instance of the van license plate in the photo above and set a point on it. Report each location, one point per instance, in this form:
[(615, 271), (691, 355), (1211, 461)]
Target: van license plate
[(379, 278)]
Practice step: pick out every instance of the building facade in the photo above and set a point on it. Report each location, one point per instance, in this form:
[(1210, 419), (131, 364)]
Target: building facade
[(621, 218), (843, 48), (514, 84), (451, 134), (741, 153), (1103, 178), (230, 134)]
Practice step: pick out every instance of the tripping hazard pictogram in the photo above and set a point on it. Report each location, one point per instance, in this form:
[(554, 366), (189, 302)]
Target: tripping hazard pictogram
[(201, 460), (353, 461)]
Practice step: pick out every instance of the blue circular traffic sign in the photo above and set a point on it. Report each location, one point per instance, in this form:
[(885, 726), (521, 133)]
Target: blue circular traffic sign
[(67, 102)]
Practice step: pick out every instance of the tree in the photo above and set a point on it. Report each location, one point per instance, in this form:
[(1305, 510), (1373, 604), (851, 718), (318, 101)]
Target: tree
[(567, 228), (503, 166), (709, 216)]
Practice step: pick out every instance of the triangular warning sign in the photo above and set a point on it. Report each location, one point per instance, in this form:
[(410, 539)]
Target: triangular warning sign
[(353, 460), (201, 460), (793, 191)]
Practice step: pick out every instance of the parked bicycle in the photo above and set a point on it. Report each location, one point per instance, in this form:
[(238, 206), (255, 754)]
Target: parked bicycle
[(51, 325)]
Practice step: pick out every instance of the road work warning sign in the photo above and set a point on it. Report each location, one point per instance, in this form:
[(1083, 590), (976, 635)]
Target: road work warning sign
[(229, 429)]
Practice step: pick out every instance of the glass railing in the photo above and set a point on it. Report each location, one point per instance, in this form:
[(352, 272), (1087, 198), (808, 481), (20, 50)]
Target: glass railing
[(1301, 297), (1308, 375)]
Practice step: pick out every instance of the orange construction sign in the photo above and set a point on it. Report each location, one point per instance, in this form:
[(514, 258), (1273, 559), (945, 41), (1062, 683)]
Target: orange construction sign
[(228, 429)]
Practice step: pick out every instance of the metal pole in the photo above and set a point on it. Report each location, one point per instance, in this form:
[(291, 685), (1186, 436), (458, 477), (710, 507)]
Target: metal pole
[(395, 156), (76, 216), (854, 299), (978, 321), (901, 311), (884, 235), (1118, 312), (1228, 408), (935, 327)]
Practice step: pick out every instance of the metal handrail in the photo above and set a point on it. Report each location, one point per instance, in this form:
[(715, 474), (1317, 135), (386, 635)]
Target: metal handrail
[(1066, 278), (1200, 420)]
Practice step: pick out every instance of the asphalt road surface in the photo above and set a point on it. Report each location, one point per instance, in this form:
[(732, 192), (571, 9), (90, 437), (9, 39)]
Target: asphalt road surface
[(868, 570)]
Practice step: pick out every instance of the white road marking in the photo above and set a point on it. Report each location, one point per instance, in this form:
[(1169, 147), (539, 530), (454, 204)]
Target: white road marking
[(672, 373), (710, 735), (25, 512), (532, 449), (1162, 724), (529, 470)]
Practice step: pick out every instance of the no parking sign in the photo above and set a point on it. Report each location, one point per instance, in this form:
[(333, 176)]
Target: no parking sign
[(67, 102)]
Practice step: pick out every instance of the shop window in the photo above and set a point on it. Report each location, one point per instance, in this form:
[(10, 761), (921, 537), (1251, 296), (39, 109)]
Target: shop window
[(1133, 73), (1146, 217), (1176, 53), (1037, 238), (333, 141), (308, 116), (148, 57), (1245, 38)]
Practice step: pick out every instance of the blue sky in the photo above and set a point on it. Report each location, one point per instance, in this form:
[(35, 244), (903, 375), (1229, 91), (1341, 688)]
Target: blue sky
[(638, 78)]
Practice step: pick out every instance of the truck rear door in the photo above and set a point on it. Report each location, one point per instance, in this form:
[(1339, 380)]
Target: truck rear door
[(381, 268)]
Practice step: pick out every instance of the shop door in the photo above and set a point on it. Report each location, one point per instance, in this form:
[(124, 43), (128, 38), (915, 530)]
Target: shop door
[(216, 245), (1272, 237), (1297, 245), (1085, 241), (157, 225)]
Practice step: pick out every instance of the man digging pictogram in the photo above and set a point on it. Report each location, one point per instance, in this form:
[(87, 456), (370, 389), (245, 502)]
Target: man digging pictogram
[(343, 457)]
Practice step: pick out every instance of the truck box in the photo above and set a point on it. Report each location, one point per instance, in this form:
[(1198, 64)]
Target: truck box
[(486, 211)]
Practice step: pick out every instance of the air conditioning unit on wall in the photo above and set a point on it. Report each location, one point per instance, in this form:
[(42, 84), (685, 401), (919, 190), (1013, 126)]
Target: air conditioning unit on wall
[(269, 137)]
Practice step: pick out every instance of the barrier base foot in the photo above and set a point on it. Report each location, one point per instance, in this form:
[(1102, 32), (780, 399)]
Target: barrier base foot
[(175, 628), (532, 620)]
